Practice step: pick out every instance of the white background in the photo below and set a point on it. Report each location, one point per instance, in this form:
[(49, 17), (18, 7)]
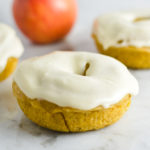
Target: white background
[(132, 132)]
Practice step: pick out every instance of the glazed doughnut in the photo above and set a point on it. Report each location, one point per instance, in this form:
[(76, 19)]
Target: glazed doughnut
[(10, 50), (125, 36), (63, 89)]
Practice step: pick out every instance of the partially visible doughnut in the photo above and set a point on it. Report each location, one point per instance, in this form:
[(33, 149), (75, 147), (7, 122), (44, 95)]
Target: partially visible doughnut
[(10, 50), (125, 36)]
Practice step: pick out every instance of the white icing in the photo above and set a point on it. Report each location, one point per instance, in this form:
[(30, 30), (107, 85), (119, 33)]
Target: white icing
[(58, 78), (111, 28), (10, 45)]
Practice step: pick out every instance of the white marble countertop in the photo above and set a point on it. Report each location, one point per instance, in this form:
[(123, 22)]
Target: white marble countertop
[(132, 132)]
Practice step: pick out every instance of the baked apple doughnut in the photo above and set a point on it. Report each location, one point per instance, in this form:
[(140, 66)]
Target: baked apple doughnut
[(73, 91), (125, 36), (10, 50)]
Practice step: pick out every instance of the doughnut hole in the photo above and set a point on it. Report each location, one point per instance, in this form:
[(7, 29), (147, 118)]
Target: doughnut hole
[(141, 19), (87, 65), (120, 41)]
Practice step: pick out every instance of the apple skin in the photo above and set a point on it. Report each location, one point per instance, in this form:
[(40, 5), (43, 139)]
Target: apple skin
[(45, 21)]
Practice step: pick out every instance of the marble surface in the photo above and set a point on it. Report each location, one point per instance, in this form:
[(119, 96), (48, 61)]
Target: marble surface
[(131, 132)]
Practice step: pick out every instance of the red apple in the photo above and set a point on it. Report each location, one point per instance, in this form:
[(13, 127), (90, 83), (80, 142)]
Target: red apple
[(45, 21)]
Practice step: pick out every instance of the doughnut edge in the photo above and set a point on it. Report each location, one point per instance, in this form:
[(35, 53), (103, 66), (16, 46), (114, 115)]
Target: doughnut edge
[(132, 57), (65, 119), (9, 68)]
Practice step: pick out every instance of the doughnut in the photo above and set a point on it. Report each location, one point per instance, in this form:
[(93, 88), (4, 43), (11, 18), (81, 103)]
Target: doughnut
[(124, 36), (10, 50), (73, 91)]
